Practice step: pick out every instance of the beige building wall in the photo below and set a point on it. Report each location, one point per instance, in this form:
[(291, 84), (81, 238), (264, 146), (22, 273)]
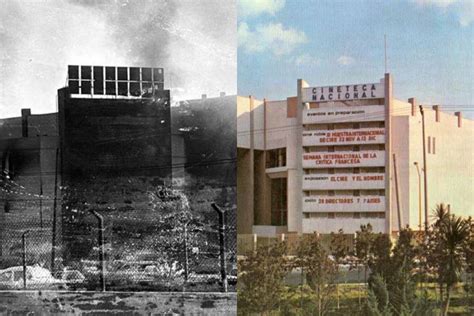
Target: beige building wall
[(277, 124), (449, 164)]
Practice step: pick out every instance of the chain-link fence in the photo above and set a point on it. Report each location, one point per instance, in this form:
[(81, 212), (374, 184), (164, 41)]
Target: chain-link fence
[(251, 242), (97, 248)]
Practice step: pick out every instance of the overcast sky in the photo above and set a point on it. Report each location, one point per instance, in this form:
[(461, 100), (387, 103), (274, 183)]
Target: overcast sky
[(429, 47), (195, 43)]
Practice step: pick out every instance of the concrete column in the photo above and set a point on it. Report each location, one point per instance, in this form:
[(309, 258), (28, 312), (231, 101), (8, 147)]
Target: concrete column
[(459, 115), (388, 102), (414, 106), (245, 180), (295, 169), (436, 109), (24, 122)]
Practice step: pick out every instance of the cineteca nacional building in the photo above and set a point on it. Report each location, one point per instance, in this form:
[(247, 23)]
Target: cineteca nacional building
[(337, 157)]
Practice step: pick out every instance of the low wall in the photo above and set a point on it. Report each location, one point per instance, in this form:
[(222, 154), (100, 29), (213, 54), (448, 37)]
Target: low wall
[(116, 303)]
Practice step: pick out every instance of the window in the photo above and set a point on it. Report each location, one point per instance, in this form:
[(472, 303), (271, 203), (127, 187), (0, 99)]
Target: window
[(331, 215), (276, 158), (74, 86), (331, 193), (356, 215), (434, 145), (85, 87), (134, 73), (279, 202), (372, 215), (122, 73), (110, 73), (73, 72), (146, 74), (356, 192), (344, 215), (429, 145), (86, 72)]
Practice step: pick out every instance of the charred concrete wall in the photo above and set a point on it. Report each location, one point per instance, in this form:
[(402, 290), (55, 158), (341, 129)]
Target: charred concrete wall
[(113, 152), (27, 190), (115, 136), (27, 151)]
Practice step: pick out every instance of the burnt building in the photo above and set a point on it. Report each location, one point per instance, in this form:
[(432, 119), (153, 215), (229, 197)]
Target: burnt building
[(28, 147), (115, 131), (113, 147), (115, 121)]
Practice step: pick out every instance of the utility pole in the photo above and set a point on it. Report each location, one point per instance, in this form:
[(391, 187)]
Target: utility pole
[(424, 167), (419, 195), (397, 192)]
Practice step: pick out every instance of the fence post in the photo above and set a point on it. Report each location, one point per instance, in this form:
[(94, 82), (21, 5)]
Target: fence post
[(221, 214), (55, 205), (186, 259), (100, 219), (254, 244), (23, 244)]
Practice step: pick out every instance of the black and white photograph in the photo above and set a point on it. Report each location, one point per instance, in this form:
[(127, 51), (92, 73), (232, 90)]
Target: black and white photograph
[(118, 157)]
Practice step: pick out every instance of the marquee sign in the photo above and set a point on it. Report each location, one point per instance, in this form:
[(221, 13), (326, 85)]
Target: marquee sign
[(348, 203), (375, 158), (344, 137), (344, 181), (344, 114), (344, 93)]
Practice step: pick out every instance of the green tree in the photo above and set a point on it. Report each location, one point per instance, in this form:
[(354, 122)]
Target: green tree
[(401, 283), (339, 250), (362, 249), (380, 261), (469, 254), (378, 298), (448, 241), (320, 270), (380, 302), (261, 279)]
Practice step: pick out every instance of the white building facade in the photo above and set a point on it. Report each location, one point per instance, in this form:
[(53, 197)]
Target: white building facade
[(326, 159)]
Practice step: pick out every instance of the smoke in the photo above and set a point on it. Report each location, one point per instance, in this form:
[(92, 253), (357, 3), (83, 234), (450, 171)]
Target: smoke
[(194, 41)]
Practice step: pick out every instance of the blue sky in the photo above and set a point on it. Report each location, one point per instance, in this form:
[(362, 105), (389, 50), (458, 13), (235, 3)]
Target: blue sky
[(429, 46)]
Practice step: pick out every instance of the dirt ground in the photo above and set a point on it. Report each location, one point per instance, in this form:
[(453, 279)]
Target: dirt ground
[(116, 303)]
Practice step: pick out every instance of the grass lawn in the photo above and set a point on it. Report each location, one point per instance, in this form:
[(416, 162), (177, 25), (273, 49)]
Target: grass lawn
[(352, 298)]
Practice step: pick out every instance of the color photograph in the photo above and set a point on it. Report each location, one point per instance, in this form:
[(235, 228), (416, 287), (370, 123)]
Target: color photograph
[(355, 157)]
